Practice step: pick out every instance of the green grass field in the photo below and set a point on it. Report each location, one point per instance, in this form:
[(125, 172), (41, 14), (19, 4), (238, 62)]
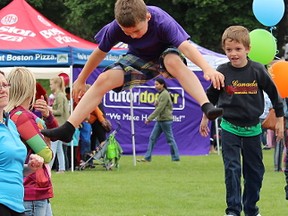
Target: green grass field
[(192, 187)]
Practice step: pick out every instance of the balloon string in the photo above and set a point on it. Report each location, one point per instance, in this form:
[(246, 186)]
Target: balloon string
[(271, 31), (276, 57), (272, 28)]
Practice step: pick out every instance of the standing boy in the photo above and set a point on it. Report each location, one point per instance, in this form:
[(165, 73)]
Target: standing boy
[(155, 46), (243, 102)]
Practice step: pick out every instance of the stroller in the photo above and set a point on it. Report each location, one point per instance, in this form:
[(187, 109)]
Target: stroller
[(108, 153)]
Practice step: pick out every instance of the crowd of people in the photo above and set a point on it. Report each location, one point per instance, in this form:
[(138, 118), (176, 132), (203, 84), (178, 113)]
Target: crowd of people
[(25, 110), (32, 152), (85, 139)]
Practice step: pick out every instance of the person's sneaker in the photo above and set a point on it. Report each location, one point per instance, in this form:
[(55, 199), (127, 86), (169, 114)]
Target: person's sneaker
[(266, 147), (109, 166), (143, 160), (64, 132), (60, 172), (230, 214), (211, 111), (286, 191)]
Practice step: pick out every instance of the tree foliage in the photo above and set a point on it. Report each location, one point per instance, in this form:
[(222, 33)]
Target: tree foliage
[(204, 20), (86, 18)]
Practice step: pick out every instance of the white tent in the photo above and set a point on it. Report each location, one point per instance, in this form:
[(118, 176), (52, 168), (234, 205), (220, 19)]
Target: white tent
[(41, 73)]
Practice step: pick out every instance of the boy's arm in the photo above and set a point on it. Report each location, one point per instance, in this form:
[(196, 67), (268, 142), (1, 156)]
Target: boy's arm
[(94, 60), (196, 57)]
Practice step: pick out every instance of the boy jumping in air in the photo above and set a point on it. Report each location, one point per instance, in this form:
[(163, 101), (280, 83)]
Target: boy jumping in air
[(157, 45)]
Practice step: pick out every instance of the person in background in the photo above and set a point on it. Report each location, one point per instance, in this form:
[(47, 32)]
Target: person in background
[(243, 102), (60, 110), (41, 92), (157, 45), (272, 141), (264, 136), (85, 143), (98, 125), (84, 140), (163, 114), (279, 146), (75, 141), (38, 186), (13, 155), (213, 141), (40, 95), (286, 149)]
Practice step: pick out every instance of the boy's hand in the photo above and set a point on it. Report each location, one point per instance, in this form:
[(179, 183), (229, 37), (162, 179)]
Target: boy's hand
[(204, 129), (279, 129), (41, 105), (78, 90), (215, 77)]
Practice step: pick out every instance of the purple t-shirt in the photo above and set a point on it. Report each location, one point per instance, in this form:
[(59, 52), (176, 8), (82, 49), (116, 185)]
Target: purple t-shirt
[(163, 32)]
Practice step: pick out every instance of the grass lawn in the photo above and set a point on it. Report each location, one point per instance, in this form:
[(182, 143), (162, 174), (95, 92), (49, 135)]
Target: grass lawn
[(192, 187)]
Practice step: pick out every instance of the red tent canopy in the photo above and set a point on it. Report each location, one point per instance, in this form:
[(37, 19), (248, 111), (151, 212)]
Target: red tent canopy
[(22, 27), (27, 38)]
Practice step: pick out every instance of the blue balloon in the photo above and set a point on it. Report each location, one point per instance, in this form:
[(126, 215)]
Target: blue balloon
[(268, 12)]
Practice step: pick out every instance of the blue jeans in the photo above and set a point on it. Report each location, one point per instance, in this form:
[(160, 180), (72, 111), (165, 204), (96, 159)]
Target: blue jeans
[(166, 128), (38, 208), (253, 171), (57, 148)]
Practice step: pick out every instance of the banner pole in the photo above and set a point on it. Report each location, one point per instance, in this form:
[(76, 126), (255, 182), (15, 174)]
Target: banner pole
[(132, 127)]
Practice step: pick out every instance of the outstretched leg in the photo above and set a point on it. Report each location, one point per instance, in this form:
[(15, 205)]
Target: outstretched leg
[(91, 99), (192, 85)]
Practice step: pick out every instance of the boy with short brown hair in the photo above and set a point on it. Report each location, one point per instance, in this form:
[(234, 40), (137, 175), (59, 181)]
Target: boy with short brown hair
[(156, 45), (243, 102)]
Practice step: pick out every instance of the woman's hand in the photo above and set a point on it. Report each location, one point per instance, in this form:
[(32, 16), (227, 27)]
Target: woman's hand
[(147, 122)]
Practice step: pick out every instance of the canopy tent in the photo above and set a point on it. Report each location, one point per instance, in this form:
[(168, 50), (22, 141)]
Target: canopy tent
[(29, 39), (42, 72)]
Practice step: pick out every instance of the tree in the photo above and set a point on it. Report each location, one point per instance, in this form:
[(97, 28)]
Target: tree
[(204, 20), (86, 18)]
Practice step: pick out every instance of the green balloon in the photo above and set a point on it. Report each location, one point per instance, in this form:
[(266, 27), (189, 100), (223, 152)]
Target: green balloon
[(263, 46)]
